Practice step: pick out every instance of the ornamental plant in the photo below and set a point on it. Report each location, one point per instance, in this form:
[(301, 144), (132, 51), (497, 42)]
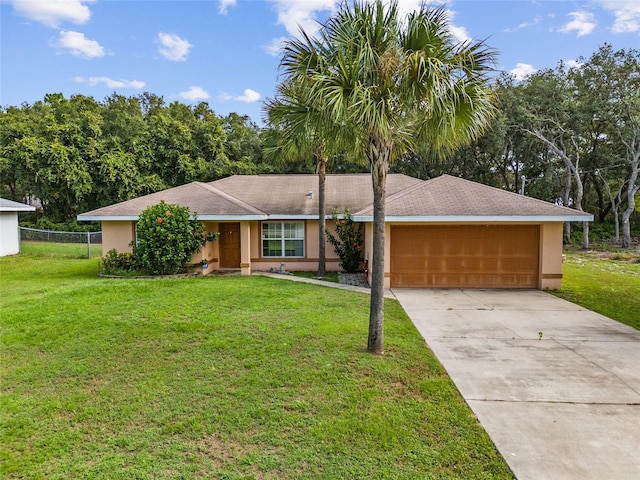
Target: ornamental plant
[(167, 238), (114, 263), (348, 242)]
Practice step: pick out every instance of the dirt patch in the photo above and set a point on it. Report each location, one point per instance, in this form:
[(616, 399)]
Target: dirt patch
[(625, 256)]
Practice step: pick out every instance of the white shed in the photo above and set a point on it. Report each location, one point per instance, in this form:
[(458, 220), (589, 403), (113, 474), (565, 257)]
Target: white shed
[(9, 231)]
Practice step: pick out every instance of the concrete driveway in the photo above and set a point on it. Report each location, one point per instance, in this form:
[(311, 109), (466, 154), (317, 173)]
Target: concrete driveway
[(556, 386)]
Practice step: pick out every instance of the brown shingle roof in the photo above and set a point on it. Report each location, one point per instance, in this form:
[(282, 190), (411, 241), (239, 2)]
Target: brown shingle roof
[(289, 194), (448, 196), (201, 198), (260, 197)]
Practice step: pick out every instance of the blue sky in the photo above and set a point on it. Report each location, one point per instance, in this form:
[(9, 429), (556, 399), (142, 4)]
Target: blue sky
[(225, 52)]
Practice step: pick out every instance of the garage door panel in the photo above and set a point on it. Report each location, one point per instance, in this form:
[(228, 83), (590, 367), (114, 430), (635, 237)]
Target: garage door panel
[(469, 256)]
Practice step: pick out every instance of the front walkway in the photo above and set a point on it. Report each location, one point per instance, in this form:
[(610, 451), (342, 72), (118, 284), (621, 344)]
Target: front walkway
[(556, 386)]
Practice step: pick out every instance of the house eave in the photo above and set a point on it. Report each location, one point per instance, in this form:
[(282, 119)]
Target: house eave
[(204, 218), (284, 216), (477, 218), (229, 218), (99, 218), (27, 208)]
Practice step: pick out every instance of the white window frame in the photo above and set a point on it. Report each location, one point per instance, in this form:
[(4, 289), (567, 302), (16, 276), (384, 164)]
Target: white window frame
[(299, 226)]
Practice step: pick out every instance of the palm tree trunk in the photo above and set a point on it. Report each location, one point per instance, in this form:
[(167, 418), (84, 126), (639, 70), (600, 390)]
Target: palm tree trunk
[(380, 157), (322, 221)]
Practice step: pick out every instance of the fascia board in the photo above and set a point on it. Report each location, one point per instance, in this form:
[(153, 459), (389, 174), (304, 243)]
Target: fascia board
[(209, 218), (481, 219)]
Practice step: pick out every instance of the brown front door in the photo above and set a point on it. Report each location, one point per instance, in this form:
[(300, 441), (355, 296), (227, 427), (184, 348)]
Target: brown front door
[(229, 245)]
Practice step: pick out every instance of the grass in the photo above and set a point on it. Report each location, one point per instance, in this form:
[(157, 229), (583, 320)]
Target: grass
[(605, 282), (218, 377), (328, 276), (60, 250)]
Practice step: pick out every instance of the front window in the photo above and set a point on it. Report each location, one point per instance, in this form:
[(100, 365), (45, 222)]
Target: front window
[(283, 239)]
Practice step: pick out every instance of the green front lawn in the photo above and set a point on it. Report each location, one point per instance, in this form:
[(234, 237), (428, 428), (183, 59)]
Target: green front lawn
[(605, 282), (218, 377)]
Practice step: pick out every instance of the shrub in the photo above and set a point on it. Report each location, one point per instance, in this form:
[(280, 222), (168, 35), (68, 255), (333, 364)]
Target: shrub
[(114, 263), (167, 238), (348, 243)]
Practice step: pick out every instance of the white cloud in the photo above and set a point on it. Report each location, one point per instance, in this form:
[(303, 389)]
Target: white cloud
[(405, 7), (194, 93), (224, 6), (523, 70), (173, 47), (249, 96), (582, 23), (109, 82), (569, 64), (296, 14), (460, 33), (79, 45), (536, 20), (54, 12), (274, 47), (627, 13)]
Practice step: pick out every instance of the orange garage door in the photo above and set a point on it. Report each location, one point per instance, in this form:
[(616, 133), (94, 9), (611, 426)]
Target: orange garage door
[(466, 256)]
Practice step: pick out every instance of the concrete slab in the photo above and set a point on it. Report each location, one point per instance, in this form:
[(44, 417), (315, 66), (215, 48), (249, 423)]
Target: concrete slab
[(563, 406), (559, 325), (559, 441), (457, 299), (529, 371)]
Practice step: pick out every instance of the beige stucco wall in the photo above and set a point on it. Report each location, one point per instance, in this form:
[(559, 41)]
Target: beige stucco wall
[(210, 251), (311, 251), (551, 255), (368, 251), (118, 235)]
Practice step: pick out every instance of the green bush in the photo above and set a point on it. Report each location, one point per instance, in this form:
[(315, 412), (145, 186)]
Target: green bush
[(167, 238), (348, 243), (114, 263)]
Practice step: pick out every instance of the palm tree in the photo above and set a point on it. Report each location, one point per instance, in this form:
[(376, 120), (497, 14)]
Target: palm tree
[(392, 83), (300, 130)]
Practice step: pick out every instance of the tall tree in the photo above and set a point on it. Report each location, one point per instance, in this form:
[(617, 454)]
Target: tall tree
[(392, 83), (302, 130), (609, 83)]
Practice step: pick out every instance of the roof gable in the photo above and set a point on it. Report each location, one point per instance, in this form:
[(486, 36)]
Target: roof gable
[(201, 198)]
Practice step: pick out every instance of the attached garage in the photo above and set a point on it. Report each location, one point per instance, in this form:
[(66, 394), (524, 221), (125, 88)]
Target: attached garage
[(453, 233), (465, 256)]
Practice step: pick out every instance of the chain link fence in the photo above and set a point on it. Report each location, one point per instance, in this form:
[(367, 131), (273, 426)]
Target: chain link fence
[(53, 236)]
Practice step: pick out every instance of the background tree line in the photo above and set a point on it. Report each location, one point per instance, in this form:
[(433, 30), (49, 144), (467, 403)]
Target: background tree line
[(566, 135), (78, 154)]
